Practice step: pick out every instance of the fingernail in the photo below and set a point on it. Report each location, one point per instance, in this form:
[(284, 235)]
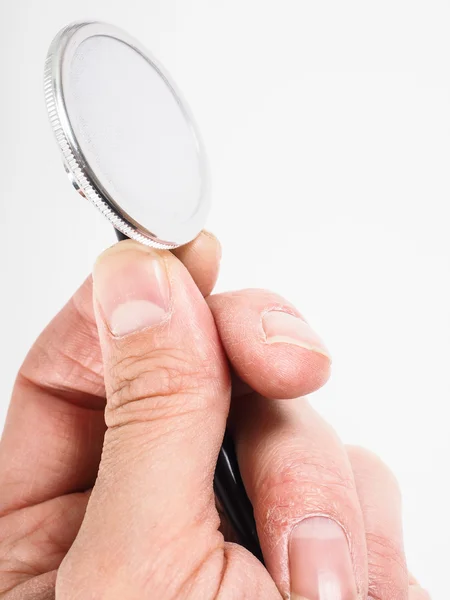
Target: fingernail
[(131, 287), (282, 327), (319, 562)]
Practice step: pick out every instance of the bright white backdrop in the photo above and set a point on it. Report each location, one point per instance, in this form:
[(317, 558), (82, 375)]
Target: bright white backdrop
[(328, 130)]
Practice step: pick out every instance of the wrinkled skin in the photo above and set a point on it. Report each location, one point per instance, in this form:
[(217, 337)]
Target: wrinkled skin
[(108, 452)]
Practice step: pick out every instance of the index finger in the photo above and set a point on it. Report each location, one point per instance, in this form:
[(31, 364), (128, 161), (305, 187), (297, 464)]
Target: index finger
[(269, 343)]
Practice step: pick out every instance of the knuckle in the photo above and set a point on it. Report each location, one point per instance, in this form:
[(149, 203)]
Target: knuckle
[(305, 484), (155, 385)]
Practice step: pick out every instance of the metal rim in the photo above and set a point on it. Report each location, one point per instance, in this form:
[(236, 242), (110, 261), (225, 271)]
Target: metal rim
[(82, 176)]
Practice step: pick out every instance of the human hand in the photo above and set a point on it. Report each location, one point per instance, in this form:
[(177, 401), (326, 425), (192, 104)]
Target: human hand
[(150, 528)]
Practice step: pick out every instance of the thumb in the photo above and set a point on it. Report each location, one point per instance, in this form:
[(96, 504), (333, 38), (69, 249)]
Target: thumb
[(151, 517)]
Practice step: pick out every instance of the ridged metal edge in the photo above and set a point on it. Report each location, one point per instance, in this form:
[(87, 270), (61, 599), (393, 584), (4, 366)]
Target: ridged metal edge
[(75, 170)]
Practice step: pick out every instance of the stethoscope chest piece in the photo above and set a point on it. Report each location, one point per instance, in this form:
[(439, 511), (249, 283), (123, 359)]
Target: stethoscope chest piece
[(131, 147), (128, 139)]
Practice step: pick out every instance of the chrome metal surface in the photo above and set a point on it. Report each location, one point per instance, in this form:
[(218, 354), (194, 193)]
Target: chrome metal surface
[(128, 139)]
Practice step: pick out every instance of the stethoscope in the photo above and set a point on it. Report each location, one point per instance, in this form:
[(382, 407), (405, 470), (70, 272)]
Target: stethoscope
[(131, 147)]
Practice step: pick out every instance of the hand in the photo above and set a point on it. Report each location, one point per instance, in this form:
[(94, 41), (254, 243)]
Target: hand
[(328, 518)]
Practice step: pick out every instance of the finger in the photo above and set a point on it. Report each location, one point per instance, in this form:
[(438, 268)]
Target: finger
[(53, 435), (307, 511), (168, 390), (201, 257), (380, 500), (269, 344), (60, 387)]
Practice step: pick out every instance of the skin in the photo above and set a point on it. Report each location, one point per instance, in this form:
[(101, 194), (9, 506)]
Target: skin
[(108, 452)]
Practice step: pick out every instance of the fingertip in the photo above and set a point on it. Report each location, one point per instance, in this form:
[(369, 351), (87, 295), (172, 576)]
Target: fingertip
[(293, 372), (120, 248), (287, 372), (132, 288), (284, 327), (269, 344), (202, 259)]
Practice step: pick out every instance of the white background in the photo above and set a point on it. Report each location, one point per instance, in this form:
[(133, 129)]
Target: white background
[(328, 131)]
